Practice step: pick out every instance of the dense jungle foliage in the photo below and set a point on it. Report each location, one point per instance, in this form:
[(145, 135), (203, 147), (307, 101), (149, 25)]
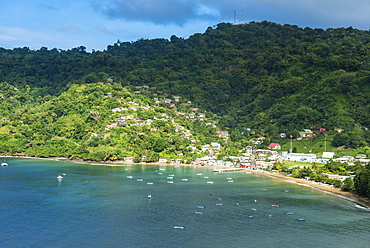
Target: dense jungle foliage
[(105, 121), (263, 77)]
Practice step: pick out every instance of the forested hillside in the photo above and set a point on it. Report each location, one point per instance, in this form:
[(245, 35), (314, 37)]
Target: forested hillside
[(259, 78), (105, 121)]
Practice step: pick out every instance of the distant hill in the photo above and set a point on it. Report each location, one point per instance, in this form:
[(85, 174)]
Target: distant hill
[(259, 78)]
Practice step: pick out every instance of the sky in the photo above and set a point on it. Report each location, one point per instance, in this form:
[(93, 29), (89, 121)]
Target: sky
[(95, 24)]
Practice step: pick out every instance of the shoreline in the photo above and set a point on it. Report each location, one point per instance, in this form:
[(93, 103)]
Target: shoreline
[(299, 181), (365, 202)]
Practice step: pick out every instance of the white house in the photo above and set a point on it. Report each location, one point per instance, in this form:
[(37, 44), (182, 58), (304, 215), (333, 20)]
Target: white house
[(328, 155), (303, 157), (162, 160)]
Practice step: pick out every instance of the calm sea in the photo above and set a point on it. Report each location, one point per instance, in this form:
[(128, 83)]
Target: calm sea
[(102, 206)]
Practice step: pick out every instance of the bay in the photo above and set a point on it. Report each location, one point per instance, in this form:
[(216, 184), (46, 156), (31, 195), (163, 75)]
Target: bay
[(106, 206)]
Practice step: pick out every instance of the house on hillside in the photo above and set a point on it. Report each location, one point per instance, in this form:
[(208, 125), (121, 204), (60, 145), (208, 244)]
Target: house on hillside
[(328, 155), (274, 146), (299, 157)]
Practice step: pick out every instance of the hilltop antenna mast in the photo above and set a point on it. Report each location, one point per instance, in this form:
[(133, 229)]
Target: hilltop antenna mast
[(242, 17)]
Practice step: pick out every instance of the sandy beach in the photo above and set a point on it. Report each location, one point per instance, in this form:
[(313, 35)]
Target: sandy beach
[(318, 186)]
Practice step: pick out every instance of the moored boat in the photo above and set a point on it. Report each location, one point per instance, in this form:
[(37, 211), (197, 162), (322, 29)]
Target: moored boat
[(179, 227), (4, 163)]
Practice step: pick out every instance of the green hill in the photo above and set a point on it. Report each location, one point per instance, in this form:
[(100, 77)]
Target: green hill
[(105, 121), (262, 77)]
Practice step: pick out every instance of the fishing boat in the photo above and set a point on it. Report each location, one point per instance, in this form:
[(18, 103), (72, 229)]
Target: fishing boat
[(201, 207), (59, 177), (275, 206), (198, 212)]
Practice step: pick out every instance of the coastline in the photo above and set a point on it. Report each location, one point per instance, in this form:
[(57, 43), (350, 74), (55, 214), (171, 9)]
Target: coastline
[(299, 181), (317, 186)]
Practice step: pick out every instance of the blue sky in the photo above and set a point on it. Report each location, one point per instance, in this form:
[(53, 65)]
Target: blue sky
[(96, 24)]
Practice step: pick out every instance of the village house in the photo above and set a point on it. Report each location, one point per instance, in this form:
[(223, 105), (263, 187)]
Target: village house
[(162, 160), (274, 146), (344, 159), (303, 157), (335, 176), (128, 159)]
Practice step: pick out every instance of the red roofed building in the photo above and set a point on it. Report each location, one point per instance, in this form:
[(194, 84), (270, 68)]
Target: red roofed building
[(274, 146)]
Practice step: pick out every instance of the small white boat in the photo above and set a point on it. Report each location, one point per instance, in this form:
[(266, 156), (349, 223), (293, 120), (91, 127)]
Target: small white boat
[(169, 181), (202, 207), (129, 176), (218, 204), (230, 181), (169, 177), (139, 180), (59, 177), (184, 179), (149, 196), (199, 174), (4, 163), (205, 177), (198, 212), (149, 183), (210, 182), (179, 227)]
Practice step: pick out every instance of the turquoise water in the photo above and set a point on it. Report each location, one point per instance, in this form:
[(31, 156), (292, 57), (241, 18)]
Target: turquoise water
[(102, 206)]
